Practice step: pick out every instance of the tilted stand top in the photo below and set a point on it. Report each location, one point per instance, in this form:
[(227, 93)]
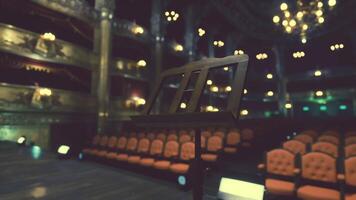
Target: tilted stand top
[(191, 117)]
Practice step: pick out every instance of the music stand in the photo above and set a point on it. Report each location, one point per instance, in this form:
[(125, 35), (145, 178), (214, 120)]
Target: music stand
[(192, 118)]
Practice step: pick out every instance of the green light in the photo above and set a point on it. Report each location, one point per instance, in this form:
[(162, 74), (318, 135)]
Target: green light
[(343, 107), (268, 114), (323, 108), (306, 108)]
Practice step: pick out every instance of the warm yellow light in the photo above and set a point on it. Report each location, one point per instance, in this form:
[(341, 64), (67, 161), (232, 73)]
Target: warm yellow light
[(289, 29), (288, 105), (221, 43), (245, 91), (259, 56), (332, 3), (173, 12), (275, 19), (285, 23), (319, 13), (319, 93), (183, 105), (295, 55), (201, 32), (216, 43), (302, 54), (141, 63), (300, 15), (320, 4), (305, 27), (178, 47), (138, 30), (169, 19), (317, 73), (292, 23), (214, 89), (238, 52), (269, 76), (321, 20), (332, 48), (166, 13), (337, 46), (284, 6), (287, 14), (304, 40), (45, 92), (244, 112), (226, 68), (228, 89), (209, 82), (215, 110), (341, 46), (141, 101), (241, 52), (48, 36), (210, 108), (270, 93)]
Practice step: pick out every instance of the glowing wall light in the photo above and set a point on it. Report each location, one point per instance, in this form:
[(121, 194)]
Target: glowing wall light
[(323, 108), (244, 112), (343, 107), (183, 105), (306, 108), (63, 149), (288, 105), (21, 140)]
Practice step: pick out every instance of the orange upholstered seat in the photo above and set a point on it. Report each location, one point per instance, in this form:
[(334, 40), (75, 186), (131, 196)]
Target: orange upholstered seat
[(321, 169), (95, 141), (350, 177), (350, 134), (350, 197), (307, 139), (110, 146), (206, 133), (329, 138), (309, 192), (295, 146), (214, 146), (142, 149), (232, 140), (171, 150), (311, 133), (350, 150), (350, 140), (103, 142), (280, 187), (219, 133), (185, 138), (280, 172), (172, 137), (120, 146), (331, 133), (156, 149), (161, 135), (131, 147), (326, 147), (247, 135), (183, 132), (187, 153)]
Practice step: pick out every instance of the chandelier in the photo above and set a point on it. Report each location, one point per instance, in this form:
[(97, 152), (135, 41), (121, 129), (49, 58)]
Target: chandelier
[(302, 18)]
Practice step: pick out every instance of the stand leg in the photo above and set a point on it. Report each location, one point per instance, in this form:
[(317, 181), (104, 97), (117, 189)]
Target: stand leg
[(198, 169)]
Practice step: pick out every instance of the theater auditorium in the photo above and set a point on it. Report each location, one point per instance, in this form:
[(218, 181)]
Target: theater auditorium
[(178, 100)]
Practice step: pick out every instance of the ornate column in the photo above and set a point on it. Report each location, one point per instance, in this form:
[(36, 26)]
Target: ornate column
[(283, 97), (106, 9)]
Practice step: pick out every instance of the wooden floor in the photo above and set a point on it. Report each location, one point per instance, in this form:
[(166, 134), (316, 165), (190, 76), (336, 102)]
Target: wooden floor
[(22, 177)]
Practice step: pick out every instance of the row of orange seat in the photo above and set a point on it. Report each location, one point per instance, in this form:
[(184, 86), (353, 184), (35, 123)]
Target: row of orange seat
[(319, 174), (329, 142)]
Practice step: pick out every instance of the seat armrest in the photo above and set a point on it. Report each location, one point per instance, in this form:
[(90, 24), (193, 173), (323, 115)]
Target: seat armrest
[(296, 171), (261, 166)]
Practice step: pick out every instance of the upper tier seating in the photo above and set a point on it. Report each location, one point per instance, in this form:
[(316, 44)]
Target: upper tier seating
[(326, 147), (156, 150), (295, 146), (171, 151), (120, 147), (214, 146), (130, 148), (306, 139), (232, 140), (142, 149), (187, 153), (247, 136)]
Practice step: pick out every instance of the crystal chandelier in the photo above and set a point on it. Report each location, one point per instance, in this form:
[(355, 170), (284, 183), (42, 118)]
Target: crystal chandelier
[(303, 17)]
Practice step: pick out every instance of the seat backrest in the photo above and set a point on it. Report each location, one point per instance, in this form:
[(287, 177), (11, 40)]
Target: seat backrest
[(311, 133), (247, 134), (172, 137), (319, 166), (306, 139), (214, 143), (329, 138), (202, 142), (131, 144), (96, 139), (350, 140), (350, 133), (350, 171), (161, 136), (206, 133), (350, 150), (104, 141), (121, 143), (141, 135), (233, 137), (280, 162), (185, 138), (331, 133), (295, 146), (183, 132), (326, 147), (143, 145), (187, 151), (156, 147), (112, 141), (219, 133), (151, 136), (171, 149)]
